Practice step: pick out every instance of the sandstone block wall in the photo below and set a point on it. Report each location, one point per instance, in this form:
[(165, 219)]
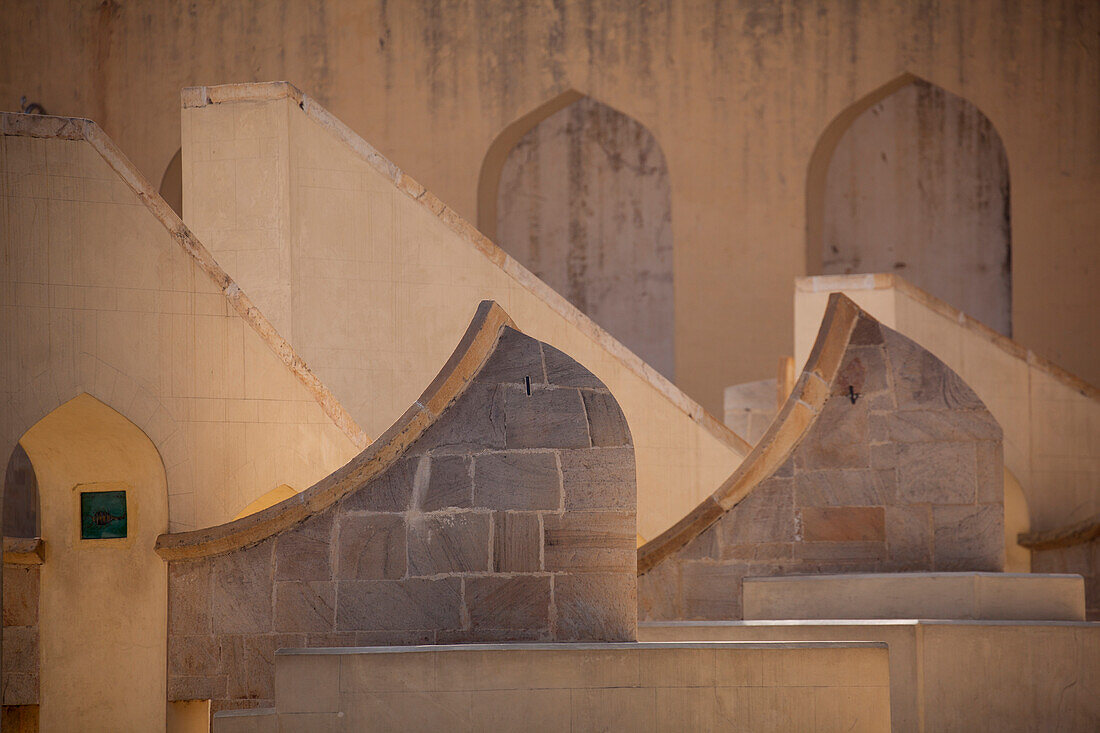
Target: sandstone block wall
[(20, 651), (511, 518), (908, 477)]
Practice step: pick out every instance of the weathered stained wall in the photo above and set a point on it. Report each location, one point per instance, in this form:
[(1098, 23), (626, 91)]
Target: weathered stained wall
[(736, 93), (584, 204), (907, 477), (511, 518), (919, 184)]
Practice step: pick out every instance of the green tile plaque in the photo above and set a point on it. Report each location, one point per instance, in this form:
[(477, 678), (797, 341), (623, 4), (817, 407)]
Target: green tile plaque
[(102, 515)]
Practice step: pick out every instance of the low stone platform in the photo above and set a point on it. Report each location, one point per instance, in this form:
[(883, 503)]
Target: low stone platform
[(967, 595), (953, 675), (758, 686)]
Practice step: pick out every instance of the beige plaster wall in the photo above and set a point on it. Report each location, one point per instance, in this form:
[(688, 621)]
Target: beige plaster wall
[(919, 185), (1051, 420), (99, 295), (375, 282), (738, 94), (955, 675), (103, 612), (583, 202), (609, 687)]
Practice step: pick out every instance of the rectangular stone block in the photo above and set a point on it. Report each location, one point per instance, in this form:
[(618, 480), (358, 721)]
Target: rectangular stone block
[(302, 553), (302, 605), (596, 607), (564, 371), (189, 597), (765, 515), (474, 422), (249, 664), (241, 590), (189, 655), (449, 543), (398, 605), (843, 524), (846, 487), (712, 590), (590, 542), (546, 418), (865, 555), (936, 473), (599, 478), (20, 596), (517, 481), (450, 483), (968, 537), (909, 537), (390, 492), (371, 546), (916, 426), (606, 422), (923, 381), (517, 542), (838, 439), (520, 603), (515, 357)]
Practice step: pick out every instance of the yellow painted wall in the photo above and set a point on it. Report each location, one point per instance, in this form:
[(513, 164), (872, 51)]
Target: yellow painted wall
[(96, 296), (738, 94), (103, 611)]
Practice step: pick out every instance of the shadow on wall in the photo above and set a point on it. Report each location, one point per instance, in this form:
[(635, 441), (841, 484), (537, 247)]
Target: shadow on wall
[(913, 179), (171, 183), (579, 194)]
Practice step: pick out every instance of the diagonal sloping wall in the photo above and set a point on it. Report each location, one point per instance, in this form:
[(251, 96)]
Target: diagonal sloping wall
[(881, 460), (500, 507), (105, 291), (370, 276)]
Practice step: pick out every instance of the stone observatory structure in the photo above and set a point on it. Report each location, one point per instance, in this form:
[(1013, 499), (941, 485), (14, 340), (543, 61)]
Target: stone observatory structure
[(882, 460), (501, 507)]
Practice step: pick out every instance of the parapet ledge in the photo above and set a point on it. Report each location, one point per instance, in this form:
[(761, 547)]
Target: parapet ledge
[(475, 347)]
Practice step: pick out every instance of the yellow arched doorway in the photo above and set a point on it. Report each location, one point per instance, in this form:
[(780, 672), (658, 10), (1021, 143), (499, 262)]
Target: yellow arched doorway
[(103, 599)]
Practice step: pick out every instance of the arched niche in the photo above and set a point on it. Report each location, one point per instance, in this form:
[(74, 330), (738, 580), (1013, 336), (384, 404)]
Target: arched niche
[(914, 180), (171, 183), (20, 496), (579, 194), (102, 606)]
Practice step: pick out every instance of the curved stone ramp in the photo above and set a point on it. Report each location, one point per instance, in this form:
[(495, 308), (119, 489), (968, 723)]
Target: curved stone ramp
[(500, 507), (881, 460), (364, 232)]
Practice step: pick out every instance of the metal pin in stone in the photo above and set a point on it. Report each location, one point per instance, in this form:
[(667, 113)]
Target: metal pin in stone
[(852, 394), (527, 381)]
